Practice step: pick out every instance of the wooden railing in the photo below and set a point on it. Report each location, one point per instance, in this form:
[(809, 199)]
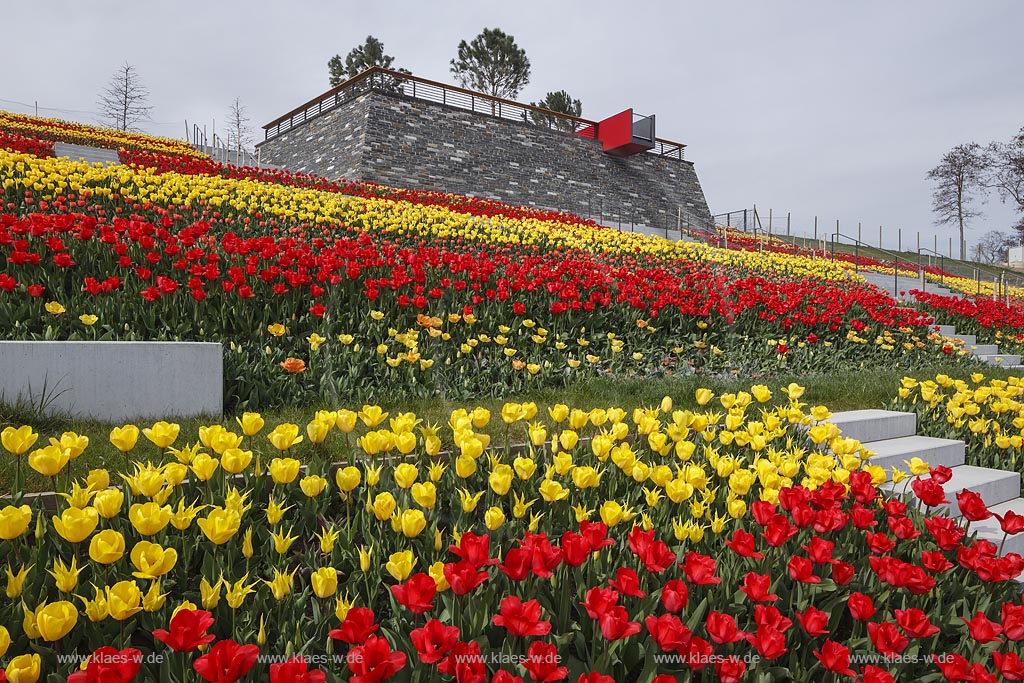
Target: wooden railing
[(388, 81)]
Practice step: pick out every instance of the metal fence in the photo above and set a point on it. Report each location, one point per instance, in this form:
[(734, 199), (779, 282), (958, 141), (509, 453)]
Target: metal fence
[(406, 85)]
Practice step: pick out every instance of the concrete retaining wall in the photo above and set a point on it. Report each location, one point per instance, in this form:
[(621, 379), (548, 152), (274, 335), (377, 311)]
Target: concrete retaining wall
[(115, 381), (400, 141)]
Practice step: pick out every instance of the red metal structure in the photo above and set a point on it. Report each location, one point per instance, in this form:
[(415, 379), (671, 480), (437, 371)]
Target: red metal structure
[(623, 134)]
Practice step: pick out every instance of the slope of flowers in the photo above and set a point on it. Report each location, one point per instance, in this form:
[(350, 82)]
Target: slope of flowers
[(992, 322), (987, 415), (365, 293), (57, 130), (659, 546)]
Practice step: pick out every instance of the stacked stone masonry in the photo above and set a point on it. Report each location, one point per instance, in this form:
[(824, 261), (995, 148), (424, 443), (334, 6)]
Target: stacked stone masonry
[(399, 141)]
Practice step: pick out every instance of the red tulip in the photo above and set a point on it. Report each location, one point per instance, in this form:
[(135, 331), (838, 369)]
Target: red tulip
[(226, 662), (972, 507), (295, 670), (982, 629), (722, 629), (954, 667), (914, 623), (359, 623), (820, 550), (674, 595), (575, 549), (416, 594), (769, 642), (109, 665), (1009, 665), (188, 630), (1013, 621), (521, 618), (599, 600), (700, 569), (756, 586), (627, 583), (473, 549), (502, 676), (769, 615), (731, 668), (374, 661), (542, 663), (873, 674), (615, 624), (668, 631), (1011, 523), (463, 577), (434, 640), (861, 606), (935, 562), (929, 491), (879, 543), (801, 569), (842, 572), (594, 677), (814, 621), (887, 638), (742, 543), (834, 657)]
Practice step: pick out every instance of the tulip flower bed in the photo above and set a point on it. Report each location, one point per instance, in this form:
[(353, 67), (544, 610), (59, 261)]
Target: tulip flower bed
[(987, 415), (57, 130), (991, 321), (318, 294), (666, 545)]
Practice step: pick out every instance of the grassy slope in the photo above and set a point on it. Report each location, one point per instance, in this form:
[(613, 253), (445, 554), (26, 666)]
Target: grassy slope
[(872, 388)]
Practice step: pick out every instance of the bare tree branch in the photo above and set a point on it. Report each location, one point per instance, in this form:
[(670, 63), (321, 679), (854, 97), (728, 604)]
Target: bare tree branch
[(124, 102), (958, 176)]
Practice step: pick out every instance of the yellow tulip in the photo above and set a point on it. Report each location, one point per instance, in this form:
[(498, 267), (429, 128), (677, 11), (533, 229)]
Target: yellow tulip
[(98, 480), (325, 582), (96, 609), (75, 524), (558, 412), (285, 436), (405, 475), (23, 669), (108, 502), (347, 478), (183, 516), (372, 416), (425, 494), (50, 460), (276, 329), (312, 485), (552, 491), (500, 479), (317, 430), (436, 572), (410, 523), (55, 620), (66, 577), (251, 423), (365, 556), (568, 439), (238, 591), (283, 470), (124, 438), (611, 513), (106, 547), (282, 541), (5, 641), (762, 393), (124, 600), (400, 564), (153, 600), (494, 518), (383, 505), (16, 581), (14, 521), (210, 593), (162, 434), (152, 560), (235, 460), (220, 525), (149, 518), (346, 420), (204, 466)]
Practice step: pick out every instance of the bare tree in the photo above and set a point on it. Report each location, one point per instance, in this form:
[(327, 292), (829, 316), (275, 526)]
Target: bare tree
[(959, 176), (1006, 169), (994, 246), (125, 101), (239, 130)]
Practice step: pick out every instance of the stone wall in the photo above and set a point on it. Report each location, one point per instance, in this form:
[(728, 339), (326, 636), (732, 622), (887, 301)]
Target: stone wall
[(403, 142)]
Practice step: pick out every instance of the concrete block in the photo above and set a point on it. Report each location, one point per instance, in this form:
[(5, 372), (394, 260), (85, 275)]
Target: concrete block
[(115, 381), (982, 349), (874, 425), (989, 529), (994, 487), (1005, 359), (893, 452), (947, 330)]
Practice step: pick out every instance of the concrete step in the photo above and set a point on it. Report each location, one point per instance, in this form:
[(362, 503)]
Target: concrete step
[(1003, 359), (994, 486), (989, 529), (968, 340), (874, 425), (982, 349), (90, 155), (894, 452), (946, 330)]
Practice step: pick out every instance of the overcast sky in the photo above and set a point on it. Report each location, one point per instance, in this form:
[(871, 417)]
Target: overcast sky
[(818, 107)]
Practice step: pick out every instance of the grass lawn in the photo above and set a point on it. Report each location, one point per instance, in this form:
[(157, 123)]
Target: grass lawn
[(869, 388)]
